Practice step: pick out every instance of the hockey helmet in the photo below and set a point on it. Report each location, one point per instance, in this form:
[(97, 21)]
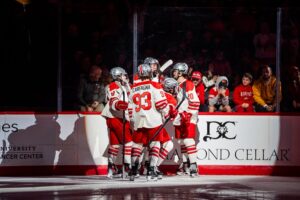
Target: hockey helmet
[(170, 84), (181, 67), (144, 70), (117, 72), (150, 60)]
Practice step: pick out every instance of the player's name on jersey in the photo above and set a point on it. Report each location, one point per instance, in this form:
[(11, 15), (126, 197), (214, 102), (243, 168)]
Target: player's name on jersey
[(142, 87)]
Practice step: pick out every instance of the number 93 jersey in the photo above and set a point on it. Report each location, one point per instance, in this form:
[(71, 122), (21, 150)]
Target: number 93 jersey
[(148, 107)]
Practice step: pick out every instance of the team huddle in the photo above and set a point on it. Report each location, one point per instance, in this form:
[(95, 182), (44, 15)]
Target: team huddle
[(136, 115)]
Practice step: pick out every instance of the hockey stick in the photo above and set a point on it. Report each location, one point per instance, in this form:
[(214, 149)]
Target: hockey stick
[(123, 137), (165, 65), (123, 132), (169, 118)]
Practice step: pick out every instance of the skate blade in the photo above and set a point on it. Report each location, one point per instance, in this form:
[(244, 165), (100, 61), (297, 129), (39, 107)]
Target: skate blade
[(152, 179)]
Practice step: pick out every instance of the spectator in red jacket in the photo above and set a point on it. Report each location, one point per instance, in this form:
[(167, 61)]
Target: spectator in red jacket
[(243, 95), (200, 89)]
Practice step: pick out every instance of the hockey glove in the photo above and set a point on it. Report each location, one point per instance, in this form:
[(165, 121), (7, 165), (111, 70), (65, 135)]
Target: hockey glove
[(185, 117), (173, 112), (121, 105)]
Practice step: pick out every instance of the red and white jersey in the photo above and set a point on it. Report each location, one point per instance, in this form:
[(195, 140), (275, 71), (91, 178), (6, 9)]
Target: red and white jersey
[(114, 94), (171, 100), (190, 104), (149, 104), (213, 92)]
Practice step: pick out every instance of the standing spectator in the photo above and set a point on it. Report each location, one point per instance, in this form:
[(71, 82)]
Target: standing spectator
[(218, 98), (264, 91), (243, 95), (199, 87), (91, 91)]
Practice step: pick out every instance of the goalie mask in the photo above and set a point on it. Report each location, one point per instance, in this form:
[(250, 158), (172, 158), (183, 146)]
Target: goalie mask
[(144, 71), (118, 74), (170, 85)]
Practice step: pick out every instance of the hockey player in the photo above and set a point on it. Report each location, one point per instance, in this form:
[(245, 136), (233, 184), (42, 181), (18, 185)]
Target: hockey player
[(154, 64), (218, 98), (114, 111), (185, 122), (170, 86), (148, 111)]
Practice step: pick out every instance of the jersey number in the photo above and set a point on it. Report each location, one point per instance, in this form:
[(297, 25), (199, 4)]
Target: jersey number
[(142, 101)]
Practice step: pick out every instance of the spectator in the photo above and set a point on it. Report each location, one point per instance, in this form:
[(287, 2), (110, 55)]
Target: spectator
[(218, 99), (264, 43), (220, 65), (91, 91), (294, 88), (264, 91), (197, 80), (243, 95), (209, 80)]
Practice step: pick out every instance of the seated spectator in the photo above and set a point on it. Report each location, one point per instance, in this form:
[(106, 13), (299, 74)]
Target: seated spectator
[(197, 80), (294, 88), (264, 91), (218, 98), (91, 91), (243, 95)]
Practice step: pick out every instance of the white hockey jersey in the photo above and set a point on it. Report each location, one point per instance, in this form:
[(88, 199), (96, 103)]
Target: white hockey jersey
[(114, 94), (190, 104), (149, 105)]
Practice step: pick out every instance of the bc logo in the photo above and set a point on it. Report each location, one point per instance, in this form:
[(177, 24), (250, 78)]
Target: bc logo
[(221, 129)]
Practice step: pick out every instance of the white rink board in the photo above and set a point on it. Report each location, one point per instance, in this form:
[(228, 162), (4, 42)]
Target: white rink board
[(74, 139)]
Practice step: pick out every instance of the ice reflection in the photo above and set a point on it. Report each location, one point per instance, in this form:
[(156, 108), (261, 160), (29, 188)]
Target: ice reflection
[(210, 192)]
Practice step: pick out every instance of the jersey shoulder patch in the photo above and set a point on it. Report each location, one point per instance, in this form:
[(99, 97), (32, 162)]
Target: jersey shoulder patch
[(113, 86)]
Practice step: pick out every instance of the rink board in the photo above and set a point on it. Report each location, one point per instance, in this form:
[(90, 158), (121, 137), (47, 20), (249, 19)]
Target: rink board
[(76, 143)]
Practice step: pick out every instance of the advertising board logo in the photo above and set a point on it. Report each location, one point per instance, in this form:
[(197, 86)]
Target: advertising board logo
[(216, 130)]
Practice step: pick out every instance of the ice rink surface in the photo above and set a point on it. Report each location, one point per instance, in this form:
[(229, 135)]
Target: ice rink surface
[(170, 187)]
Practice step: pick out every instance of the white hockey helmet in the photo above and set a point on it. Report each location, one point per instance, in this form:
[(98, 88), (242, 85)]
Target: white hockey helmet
[(117, 72), (170, 85), (181, 67), (144, 71)]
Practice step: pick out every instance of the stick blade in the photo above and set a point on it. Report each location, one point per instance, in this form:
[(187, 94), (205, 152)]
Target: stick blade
[(166, 65)]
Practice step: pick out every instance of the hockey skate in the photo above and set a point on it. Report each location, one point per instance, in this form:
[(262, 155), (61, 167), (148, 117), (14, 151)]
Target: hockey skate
[(193, 170), (127, 170), (133, 172), (183, 169), (151, 174), (159, 173), (111, 171)]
